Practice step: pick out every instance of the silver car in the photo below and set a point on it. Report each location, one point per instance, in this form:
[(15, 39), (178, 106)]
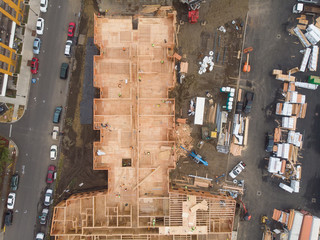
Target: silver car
[(48, 197), (44, 215), (36, 45)]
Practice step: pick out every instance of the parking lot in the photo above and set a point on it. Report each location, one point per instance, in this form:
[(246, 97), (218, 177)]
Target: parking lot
[(275, 49)]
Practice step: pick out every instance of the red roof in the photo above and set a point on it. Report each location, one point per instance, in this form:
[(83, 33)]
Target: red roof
[(306, 227)]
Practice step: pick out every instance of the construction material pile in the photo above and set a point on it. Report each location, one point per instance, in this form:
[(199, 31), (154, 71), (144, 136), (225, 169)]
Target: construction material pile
[(297, 224), (183, 138), (284, 162), (309, 36)]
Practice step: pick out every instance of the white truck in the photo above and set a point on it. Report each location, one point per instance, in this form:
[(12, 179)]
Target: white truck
[(308, 9)]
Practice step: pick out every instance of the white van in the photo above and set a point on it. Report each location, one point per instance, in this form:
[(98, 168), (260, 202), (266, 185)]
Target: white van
[(286, 187), (67, 49)]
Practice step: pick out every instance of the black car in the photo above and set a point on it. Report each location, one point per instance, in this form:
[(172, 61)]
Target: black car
[(269, 143), (248, 102), (64, 70), (8, 218), (14, 182)]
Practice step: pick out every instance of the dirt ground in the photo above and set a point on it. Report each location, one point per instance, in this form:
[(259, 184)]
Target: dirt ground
[(76, 166), (194, 42)]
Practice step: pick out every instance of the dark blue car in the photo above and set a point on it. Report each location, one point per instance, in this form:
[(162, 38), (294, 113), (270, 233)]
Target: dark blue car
[(57, 114)]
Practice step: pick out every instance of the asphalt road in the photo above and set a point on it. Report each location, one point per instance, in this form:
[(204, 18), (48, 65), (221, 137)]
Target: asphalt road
[(32, 133), (275, 49)]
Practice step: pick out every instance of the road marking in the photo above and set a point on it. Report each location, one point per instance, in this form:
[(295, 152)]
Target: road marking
[(10, 131), (23, 167)]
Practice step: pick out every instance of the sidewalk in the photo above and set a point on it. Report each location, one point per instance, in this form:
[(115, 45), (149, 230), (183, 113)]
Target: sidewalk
[(5, 185), (24, 77)]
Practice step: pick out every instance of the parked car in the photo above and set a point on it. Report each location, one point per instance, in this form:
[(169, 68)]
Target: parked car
[(71, 29), (14, 182), (237, 169), (248, 102), (43, 5), (40, 236), (48, 197), (239, 107), (309, 1), (269, 143), (40, 26), (11, 200), (36, 45), (51, 171), (8, 218), (64, 70), (57, 114), (44, 215), (53, 152), (34, 65), (67, 49), (55, 132)]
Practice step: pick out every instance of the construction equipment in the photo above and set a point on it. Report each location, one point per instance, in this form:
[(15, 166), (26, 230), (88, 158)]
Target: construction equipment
[(247, 67), (193, 16), (193, 6), (265, 220), (196, 157), (218, 177), (246, 215)]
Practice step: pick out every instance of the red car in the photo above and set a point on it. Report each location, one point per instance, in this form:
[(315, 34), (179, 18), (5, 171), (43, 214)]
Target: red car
[(71, 28), (50, 175), (34, 65)]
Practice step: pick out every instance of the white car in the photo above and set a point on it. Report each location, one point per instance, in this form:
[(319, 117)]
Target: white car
[(237, 169), (11, 200), (43, 5), (55, 132), (40, 236), (48, 197), (40, 26), (53, 152), (67, 49)]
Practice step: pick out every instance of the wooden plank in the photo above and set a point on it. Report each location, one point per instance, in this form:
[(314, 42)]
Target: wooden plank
[(293, 70), (302, 27), (276, 72), (240, 94), (303, 21), (182, 120)]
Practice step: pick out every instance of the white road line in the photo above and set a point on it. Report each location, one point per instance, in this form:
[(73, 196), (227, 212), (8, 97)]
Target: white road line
[(10, 131)]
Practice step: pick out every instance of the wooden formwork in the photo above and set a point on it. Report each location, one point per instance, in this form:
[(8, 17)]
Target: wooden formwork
[(136, 120)]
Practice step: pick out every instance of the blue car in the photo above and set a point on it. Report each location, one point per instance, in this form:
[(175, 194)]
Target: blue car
[(36, 45)]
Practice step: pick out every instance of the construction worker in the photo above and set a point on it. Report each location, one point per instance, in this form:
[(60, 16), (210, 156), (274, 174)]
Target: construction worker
[(119, 94), (152, 45), (162, 62)]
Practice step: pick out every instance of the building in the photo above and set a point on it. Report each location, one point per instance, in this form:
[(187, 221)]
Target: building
[(11, 16), (136, 120)]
